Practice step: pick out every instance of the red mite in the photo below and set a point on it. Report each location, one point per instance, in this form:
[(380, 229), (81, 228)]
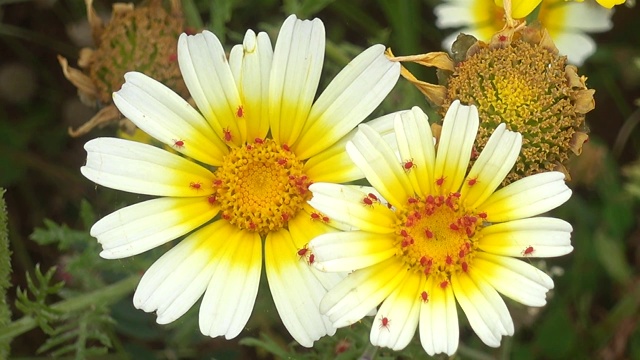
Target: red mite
[(384, 323), (472, 181), (528, 251), (408, 165), (178, 144), (302, 251), (195, 185), (425, 297), (367, 201), (227, 134), (240, 111)]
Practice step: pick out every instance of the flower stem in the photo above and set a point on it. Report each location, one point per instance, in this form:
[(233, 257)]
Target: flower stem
[(106, 295)]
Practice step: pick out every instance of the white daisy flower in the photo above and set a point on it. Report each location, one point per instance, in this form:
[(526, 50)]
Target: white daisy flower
[(566, 21), (445, 235), (251, 149)]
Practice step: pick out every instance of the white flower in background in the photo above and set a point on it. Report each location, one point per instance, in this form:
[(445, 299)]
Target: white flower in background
[(251, 150), (444, 237), (567, 22)]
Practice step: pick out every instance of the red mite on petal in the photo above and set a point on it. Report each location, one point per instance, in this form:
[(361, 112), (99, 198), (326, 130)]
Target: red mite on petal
[(384, 323), (367, 201), (178, 144), (408, 165), (528, 251), (227, 134)]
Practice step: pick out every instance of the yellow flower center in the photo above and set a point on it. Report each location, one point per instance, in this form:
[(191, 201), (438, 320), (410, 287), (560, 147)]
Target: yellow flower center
[(436, 236), (260, 186)]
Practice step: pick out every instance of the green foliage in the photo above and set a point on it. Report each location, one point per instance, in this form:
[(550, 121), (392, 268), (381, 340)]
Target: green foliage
[(5, 271), (79, 335), (39, 290)]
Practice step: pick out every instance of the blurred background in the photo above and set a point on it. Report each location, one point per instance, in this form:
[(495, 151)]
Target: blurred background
[(593, 312)]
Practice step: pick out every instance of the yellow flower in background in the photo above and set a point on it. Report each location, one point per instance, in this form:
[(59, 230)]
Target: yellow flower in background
[(522, 8), (567, 23), (257, 140), (431, 233)]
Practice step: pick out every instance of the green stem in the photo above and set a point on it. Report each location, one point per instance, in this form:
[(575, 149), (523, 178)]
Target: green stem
[(109, 294)]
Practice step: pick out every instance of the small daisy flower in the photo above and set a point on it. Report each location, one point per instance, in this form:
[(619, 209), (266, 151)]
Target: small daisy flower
[(250, 153), (566, 21), (445, 237)]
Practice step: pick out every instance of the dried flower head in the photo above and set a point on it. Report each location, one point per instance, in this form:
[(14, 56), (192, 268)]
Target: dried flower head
[(142, 39), (519, 79)]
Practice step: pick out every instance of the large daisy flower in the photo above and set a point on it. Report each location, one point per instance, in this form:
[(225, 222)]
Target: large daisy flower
[(255, 144), (431, 234), (567, 23)]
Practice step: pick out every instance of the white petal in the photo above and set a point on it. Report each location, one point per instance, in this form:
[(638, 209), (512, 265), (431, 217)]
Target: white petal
[(334, 164), (352, 95), (514, 278), (346, 204), (143, 226), (574, 16), (378, 161), (231, 292), (402, 312), (532, 237), (251, 67), (361, 291), (413, 133), (484, 314), (348, 251), (295, 289), (302, 232), (527, 197), (458, 135), (578, 47), (178, 278), (439, 331), (491, 167), (206, 73), (163, 114), (143, 169), (455, 14), (295, 74)]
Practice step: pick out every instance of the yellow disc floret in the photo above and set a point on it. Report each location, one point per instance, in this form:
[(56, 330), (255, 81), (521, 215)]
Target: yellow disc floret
[(260, 186), (436, 236)]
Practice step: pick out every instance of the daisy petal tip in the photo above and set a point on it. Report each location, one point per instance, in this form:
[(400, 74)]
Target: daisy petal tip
[(109, 255)]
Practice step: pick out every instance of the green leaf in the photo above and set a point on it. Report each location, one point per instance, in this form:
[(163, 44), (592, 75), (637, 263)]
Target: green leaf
[(610, 252)]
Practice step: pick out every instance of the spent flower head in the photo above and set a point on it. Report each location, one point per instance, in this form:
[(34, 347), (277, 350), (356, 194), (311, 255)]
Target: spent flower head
[(140, 38), (251, 150), (519, 79), (429, 234)]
